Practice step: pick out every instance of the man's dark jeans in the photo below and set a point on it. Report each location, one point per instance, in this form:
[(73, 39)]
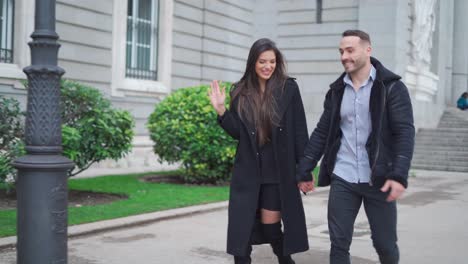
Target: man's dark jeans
[(343, 206)]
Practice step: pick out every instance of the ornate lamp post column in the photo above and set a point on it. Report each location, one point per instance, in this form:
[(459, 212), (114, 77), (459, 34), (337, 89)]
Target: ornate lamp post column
[(42, 172)]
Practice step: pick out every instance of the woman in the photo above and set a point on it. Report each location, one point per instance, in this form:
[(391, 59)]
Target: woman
[(267, 118)]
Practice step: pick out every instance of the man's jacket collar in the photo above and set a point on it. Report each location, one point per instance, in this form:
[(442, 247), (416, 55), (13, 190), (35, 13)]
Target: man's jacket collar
[(383, 75)]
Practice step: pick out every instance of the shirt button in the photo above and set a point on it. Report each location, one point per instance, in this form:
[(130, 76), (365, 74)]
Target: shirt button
[(253, 133), (258, 154)]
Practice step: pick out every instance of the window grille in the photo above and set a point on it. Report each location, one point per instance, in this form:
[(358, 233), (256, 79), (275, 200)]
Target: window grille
[(319, 11), (142, 39), (6, 31)]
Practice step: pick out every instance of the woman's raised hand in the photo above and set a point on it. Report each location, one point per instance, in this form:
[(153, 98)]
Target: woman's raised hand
[(217, 97)]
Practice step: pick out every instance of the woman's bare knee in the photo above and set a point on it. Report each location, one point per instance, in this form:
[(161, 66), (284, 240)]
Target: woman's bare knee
[(270, 217)]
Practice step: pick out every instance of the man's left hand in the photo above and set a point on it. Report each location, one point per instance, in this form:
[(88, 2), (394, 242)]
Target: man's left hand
[(396, 190)]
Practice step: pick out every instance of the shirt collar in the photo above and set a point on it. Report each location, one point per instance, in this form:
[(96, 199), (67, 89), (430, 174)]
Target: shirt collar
[(372, 74)]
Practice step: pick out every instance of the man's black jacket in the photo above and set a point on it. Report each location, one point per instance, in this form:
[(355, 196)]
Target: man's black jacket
[(390, 144)]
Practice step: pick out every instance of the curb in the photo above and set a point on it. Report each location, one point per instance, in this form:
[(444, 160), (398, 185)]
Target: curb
[(130, 221)]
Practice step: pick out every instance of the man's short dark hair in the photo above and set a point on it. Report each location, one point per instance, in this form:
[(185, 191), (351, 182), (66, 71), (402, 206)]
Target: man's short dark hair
[(357, 33)]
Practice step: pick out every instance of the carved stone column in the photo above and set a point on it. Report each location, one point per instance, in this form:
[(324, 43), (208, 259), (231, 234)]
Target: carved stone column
[(419, 79)]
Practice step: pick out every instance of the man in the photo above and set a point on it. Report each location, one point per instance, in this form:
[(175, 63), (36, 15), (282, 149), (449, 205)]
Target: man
[(366, 137)]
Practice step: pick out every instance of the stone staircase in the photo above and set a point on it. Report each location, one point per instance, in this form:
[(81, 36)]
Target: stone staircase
[(444, 148)]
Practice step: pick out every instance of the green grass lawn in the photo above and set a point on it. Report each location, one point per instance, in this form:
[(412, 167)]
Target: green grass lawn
[(142, 198)]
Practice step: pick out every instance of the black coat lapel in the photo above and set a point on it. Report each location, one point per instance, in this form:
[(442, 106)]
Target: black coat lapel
[(283, 98)]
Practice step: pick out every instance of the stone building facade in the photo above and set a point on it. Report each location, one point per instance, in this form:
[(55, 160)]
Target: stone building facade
[(138, 51)]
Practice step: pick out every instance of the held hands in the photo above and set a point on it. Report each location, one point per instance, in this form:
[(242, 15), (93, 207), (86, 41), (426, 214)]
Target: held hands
[(396, 190), (217, 97), (306, 187)]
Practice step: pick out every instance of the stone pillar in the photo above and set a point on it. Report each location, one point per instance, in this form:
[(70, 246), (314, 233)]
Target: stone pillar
[(460, 53), (390, 46), (419, 78)]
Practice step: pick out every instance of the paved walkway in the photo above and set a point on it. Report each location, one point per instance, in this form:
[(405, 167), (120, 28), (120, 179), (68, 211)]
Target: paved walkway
[(432, 229)]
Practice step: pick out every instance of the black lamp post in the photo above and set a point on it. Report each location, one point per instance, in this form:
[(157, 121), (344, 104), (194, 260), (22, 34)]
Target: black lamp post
[(42, 173)]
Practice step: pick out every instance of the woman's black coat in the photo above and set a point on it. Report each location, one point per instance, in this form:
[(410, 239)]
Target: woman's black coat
[(289, 140)]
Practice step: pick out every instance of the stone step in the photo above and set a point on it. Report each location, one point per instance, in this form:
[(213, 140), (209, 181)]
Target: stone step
[(441, 162), (442, 141), (436, 134), (454, 122), (444, 148), (456, 112), (444, 130), (461, 139), (441, 151), (453, 125), (426, 157), (438, 168), (452, 119), (431, 145), (456, 127), (426, 147), (442, 133), (456, 161)]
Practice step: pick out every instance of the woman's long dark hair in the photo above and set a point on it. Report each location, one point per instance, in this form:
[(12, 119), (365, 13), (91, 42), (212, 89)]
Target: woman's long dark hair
[(260, 111)]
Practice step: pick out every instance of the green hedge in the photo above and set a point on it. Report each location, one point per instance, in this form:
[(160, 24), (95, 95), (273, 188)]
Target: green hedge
[(11, 132), (184, 129), (92, 130)]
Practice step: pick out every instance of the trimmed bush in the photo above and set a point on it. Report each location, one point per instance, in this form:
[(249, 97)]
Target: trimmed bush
[(184, 129), (92, 130), (11, 121), (11, 132)]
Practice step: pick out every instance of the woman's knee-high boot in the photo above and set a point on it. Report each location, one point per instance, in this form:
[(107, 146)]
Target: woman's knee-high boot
[(275, 236), (244, 259)]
